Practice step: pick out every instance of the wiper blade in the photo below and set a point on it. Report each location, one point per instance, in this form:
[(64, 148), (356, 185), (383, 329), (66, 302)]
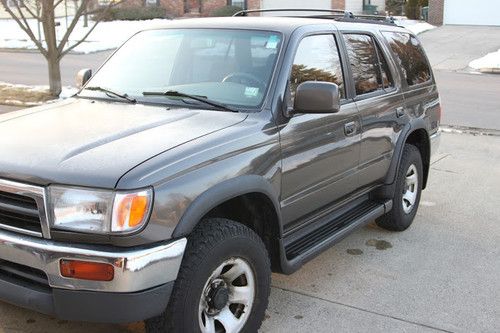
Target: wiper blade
[(203, 99), (111, 92)]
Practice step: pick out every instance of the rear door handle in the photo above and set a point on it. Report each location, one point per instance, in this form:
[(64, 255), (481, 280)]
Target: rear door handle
[(400, 112), (350, 128)]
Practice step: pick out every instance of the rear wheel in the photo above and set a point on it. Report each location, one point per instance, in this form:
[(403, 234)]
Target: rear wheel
[(407, 193), (223, 284)]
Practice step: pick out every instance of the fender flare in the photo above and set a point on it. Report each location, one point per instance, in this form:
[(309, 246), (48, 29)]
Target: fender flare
[(409, 128), (220, 193)]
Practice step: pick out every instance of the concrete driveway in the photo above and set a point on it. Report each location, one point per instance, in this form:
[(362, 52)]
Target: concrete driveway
[(452, 47), (441, 275)]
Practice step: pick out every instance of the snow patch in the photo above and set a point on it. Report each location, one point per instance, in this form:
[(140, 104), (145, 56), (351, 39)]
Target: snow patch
[(488, 63), (415, 26), (106, 35)]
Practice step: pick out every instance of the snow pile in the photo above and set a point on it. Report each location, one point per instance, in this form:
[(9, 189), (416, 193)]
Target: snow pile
[(106, 36), (415, 26), (488, 63), (25, 95)]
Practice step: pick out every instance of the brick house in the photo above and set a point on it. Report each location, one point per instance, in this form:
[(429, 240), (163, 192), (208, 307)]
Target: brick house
[(206, 7)]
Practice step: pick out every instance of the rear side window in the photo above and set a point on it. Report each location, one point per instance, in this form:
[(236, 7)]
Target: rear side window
[(317, 59), (410, 56), (368, 64)]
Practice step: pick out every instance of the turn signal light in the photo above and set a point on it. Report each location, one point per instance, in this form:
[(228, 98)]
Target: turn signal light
[(86, 270), (130, 211)]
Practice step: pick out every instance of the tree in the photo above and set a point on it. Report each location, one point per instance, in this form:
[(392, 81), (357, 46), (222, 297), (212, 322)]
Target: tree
[(43, 11), (394, 7)]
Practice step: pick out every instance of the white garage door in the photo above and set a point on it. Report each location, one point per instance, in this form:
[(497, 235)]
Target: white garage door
[(313, 4), (477, 12)]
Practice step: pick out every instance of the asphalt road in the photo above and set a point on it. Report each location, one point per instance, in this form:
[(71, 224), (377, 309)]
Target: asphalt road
[(468, 99), (440, 275), (31, 68)]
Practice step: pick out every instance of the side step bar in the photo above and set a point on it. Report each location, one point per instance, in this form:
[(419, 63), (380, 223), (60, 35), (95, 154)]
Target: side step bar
[(298, 250)]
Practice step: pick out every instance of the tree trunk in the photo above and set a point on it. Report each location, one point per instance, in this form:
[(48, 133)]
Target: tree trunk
[(54, 76), (53, 56)]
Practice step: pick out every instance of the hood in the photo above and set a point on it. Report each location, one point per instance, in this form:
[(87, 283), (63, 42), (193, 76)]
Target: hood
[(93, 143)]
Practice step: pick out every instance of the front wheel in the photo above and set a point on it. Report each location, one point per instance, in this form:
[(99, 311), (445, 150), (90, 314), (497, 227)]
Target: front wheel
[(407, 193), (223, 284)]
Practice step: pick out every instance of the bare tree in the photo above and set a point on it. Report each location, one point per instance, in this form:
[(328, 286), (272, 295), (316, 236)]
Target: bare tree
[(43, 11)]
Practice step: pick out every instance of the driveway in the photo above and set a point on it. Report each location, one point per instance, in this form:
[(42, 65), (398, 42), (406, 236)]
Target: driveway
[(452, 47), (441, 275)]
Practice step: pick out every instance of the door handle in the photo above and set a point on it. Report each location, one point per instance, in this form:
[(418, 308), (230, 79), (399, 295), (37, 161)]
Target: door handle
[(350, 128), (400, 111)]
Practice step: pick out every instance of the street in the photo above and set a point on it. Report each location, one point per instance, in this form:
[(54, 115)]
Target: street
[(440, 275)]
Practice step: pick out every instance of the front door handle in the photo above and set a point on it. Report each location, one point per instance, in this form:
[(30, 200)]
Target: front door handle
[(400, 111), (350, 128)]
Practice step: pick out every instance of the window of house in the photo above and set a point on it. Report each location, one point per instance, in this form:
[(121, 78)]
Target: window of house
[(368, 64), (317, 59), (15, 3), (238, 3), (410, 56)]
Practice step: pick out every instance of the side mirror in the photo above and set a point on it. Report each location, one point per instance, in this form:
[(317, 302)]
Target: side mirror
[(317, 97), (82, 77)]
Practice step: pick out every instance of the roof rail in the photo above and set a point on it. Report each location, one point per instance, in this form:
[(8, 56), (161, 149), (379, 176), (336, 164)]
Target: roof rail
[(346, 14), (336, 14)]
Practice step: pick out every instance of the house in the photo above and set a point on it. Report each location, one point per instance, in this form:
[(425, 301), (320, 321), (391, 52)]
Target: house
[(205, 7), (466, 12), (355, 6)]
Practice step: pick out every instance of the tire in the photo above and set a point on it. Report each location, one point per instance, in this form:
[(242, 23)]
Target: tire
[(217, 251), (406, 199)]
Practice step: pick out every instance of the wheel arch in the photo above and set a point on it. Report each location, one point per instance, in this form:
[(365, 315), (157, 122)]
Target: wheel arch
[(416, 134), (250, 200)]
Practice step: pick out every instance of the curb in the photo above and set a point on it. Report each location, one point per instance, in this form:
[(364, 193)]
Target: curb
[(490, 70), (456, 129)]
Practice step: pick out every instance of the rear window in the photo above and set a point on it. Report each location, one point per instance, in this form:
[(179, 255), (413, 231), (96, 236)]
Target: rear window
[(410, 56)]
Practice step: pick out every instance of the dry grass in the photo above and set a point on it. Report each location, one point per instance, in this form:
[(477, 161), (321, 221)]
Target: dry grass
[(20, 95)]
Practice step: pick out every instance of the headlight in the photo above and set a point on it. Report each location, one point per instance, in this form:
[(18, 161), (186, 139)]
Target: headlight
[(98, 211)]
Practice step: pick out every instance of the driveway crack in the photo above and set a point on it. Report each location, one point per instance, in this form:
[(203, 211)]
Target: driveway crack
[(364, 310)]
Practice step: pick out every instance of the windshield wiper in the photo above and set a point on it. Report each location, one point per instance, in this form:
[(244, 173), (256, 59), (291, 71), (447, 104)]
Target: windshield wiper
[(111, 92), (203, 99)]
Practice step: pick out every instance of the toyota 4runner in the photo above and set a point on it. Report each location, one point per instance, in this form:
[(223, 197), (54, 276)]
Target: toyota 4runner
[(205, 154)]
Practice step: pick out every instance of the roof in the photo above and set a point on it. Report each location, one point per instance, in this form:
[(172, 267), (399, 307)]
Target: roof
[(282, 24)]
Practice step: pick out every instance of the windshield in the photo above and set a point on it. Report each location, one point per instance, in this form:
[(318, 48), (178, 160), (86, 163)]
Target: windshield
[(233, 67)]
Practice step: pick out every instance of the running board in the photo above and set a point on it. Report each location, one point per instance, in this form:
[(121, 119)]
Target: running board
[(302, 246)]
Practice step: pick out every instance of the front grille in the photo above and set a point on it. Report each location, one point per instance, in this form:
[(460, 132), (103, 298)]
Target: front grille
[(25, 274), (22, 208), (19, 212)]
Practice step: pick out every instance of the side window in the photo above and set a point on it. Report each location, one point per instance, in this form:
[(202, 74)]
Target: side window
[(369, 67), (387, 81), (317, 59), (410, 56)]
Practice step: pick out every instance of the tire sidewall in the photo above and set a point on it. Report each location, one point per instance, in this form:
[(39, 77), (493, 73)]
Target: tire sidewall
[(411, 156), (240, 247)]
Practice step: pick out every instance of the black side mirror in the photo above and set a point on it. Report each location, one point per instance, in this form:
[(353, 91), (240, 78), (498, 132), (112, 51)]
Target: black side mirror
[(317, 97), (82, 77)]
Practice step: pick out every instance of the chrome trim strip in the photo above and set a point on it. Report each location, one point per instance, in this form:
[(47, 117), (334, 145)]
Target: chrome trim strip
[(136, 269), (36, 193)]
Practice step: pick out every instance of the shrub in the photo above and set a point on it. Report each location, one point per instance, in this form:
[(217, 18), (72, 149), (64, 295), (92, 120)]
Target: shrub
[(226, 11), (412, 8), (133, 13)]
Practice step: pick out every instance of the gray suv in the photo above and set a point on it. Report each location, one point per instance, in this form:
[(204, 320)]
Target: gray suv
[(205, 154)]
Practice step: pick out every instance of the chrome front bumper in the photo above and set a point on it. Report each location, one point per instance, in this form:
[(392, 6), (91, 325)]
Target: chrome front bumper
[(135, 269)]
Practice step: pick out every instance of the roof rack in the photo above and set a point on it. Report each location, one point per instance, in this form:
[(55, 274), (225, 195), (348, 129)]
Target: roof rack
[(335, 14)]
